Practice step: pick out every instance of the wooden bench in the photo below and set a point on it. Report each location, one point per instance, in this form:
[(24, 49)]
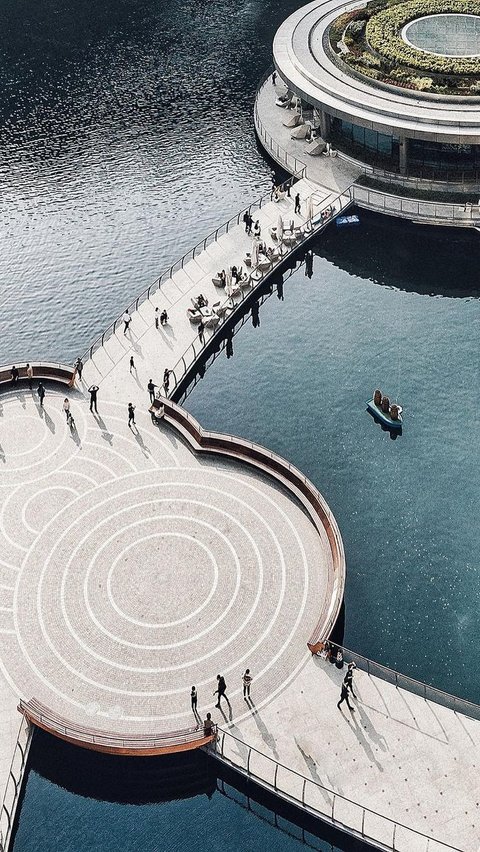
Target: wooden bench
[(45, 372)]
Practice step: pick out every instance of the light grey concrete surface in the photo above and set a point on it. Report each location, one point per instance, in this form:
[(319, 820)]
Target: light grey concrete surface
[(154, 350), (137, 569), (339, 173), (405, 758)]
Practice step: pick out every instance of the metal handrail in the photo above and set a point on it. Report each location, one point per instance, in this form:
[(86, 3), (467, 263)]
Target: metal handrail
[(179, 264), (333, 816), (417, 687), (278, 153), (412, 207), (187, 362), (12, 789), (44, 718)]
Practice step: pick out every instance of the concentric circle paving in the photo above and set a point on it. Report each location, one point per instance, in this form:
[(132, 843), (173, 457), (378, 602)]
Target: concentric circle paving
[(132, 569)]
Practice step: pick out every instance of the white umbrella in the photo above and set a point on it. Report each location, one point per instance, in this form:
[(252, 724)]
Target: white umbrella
[(254, 254), (310, 207), (280, 229)]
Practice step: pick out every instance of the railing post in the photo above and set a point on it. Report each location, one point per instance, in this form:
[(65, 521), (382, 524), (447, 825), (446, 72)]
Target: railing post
[(248, 761), (363, 822), (333, 808), (303, 791), (275, 777), (393, 838)]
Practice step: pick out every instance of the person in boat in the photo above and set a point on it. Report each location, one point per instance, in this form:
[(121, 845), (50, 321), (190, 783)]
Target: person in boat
[(385, 405), (377, 397), (394, 411)]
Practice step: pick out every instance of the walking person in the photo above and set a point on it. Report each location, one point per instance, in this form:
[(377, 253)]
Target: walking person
[(41, 393), (221, 690), (297, 203), (78, 366), (344, 697), (66, 407), (29, 375), (201, 332), (348, 679), (246, 218), (247, 682), (151, 390), (166, 380), (193, 700), (14, 375), (93, 390), (157, 317), (274, 78), (132, 364), (163, 317), (131, 415), (127, 320)]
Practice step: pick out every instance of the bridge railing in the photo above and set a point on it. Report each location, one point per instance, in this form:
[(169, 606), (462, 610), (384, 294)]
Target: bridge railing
[(14, 783), (412, 208), (320, 801), (187, 361), (417, 687), (278, 153), (186, 258), (111, 742)]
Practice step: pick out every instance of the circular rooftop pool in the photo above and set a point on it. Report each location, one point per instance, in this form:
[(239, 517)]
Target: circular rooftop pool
[(445, 34)]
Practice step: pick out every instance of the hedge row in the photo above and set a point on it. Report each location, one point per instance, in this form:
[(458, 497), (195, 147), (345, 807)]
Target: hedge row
[(383, 36)]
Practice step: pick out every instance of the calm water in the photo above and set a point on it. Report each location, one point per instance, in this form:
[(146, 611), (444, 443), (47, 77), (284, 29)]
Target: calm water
[(78, 800), (397, 307), (126, 135)]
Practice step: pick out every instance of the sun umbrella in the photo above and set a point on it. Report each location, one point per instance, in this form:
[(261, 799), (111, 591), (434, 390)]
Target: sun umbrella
[(254, 254), (310, 207), (280, 229)]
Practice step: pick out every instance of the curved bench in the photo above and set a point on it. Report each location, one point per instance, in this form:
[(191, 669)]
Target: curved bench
[(42, 370), (290, 477), (134, 745)]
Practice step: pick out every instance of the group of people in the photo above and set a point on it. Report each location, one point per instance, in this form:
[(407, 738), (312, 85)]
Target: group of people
[(250, 225), (220, 692)]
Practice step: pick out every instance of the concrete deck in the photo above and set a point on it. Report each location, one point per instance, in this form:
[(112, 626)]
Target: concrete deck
[(154, 350), (410, 760), (339, 174), (137, 568)]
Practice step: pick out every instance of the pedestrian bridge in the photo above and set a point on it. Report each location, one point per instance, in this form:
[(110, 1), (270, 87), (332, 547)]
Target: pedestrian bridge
[(110, 517)]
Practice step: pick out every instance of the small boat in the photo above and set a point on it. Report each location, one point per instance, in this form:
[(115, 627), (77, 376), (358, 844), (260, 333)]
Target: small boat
[(341, 221), (385, 417)]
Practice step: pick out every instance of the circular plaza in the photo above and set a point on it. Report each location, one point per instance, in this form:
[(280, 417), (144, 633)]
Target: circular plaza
[(133, 567), (391, 86)]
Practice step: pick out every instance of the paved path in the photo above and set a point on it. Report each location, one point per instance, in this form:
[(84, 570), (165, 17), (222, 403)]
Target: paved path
[(133, 568), (412, 760), (154, 350)]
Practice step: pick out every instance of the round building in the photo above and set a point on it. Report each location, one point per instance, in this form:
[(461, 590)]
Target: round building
[(395, 86)]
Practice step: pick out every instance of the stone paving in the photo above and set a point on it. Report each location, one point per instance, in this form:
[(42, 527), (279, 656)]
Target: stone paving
[(132, 568), (411, 760)]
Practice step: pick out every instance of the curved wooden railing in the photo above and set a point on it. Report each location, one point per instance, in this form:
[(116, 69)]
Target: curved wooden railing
[(130, 745), (291, 478), (45, 370)]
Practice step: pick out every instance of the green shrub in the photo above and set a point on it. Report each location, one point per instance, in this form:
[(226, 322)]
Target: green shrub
[(383, 35)]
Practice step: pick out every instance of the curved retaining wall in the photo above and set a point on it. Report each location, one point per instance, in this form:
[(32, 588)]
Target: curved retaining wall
[(289, 477)]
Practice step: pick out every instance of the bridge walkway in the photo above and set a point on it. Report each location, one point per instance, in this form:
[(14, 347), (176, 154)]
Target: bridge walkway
[(156, 350), (404, 771)]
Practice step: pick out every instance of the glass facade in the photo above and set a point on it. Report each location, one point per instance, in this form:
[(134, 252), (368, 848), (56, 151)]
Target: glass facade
[(367, 145), (443, 160)]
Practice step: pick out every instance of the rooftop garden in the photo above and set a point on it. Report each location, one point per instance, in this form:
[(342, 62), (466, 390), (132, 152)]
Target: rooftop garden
[(369, 41)]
